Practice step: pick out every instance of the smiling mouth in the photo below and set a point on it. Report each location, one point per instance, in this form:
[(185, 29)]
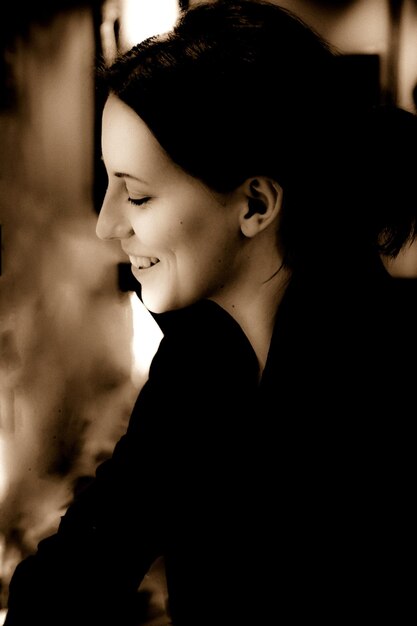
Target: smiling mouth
[(143, 262)]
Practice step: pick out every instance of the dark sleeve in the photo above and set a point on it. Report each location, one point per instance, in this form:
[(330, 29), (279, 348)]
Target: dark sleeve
[(89, 571)]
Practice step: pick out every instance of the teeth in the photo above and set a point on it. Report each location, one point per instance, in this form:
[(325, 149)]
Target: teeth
[(143, 262)]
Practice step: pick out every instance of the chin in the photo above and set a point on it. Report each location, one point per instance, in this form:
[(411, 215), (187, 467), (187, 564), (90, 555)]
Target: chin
[(153, 308), (157, 305)]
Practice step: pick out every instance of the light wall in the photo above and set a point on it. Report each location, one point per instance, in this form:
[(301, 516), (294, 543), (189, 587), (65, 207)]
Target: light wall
[(65, 329)]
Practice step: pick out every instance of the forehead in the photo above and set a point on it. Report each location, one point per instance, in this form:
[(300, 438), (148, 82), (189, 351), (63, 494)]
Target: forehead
[(127, 143)]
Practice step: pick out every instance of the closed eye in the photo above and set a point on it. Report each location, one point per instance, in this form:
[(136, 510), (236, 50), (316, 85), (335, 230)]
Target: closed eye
[(138, 201)]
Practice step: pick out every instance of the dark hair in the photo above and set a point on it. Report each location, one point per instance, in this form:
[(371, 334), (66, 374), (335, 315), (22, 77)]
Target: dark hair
[(245, 88), (391, 175)]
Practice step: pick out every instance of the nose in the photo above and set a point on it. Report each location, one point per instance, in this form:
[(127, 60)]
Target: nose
[(112, 222)]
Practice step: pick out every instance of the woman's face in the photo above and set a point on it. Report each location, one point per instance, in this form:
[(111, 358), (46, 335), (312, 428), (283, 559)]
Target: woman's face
[(183, 240)]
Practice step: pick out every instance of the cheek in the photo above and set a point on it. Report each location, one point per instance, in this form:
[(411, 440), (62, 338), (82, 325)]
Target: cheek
[(187, 230), (203, 228), (207, 252), (155, 232), (186, 234)]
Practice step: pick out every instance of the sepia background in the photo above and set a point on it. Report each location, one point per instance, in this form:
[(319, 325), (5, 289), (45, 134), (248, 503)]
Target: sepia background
[(75, 341)]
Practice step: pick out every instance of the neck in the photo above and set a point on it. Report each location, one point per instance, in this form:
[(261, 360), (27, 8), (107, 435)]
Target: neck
[(254, 305)]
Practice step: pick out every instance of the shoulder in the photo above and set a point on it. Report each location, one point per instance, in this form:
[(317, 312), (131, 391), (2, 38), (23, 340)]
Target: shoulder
[(206, 337), (205, 365), (202, 384)]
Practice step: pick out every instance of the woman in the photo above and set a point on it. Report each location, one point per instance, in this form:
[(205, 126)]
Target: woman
[(256, 460)]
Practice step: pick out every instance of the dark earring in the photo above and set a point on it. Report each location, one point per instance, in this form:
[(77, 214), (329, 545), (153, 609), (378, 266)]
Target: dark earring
[(255, 206)]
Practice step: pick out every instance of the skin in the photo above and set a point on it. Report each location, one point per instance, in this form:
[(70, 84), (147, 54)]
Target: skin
[(191, 242)]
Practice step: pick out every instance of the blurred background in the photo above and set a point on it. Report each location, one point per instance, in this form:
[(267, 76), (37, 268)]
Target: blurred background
[(75, 341)]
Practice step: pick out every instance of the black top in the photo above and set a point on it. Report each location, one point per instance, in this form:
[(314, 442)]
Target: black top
[(276, 502)]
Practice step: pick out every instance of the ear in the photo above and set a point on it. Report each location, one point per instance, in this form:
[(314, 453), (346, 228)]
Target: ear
[(263, 200)]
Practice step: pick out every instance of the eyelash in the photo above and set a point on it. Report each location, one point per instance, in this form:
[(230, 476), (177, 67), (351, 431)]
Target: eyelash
[(138, 201)]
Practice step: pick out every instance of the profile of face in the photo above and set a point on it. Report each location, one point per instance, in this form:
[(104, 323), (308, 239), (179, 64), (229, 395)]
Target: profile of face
[(183, 239)]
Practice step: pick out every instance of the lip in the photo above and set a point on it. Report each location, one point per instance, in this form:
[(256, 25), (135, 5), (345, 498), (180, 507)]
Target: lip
[(141, 261), (134, 252), (140, 273)]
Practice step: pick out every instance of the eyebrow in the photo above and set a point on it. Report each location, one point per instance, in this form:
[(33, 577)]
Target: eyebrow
[(124, 175)]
